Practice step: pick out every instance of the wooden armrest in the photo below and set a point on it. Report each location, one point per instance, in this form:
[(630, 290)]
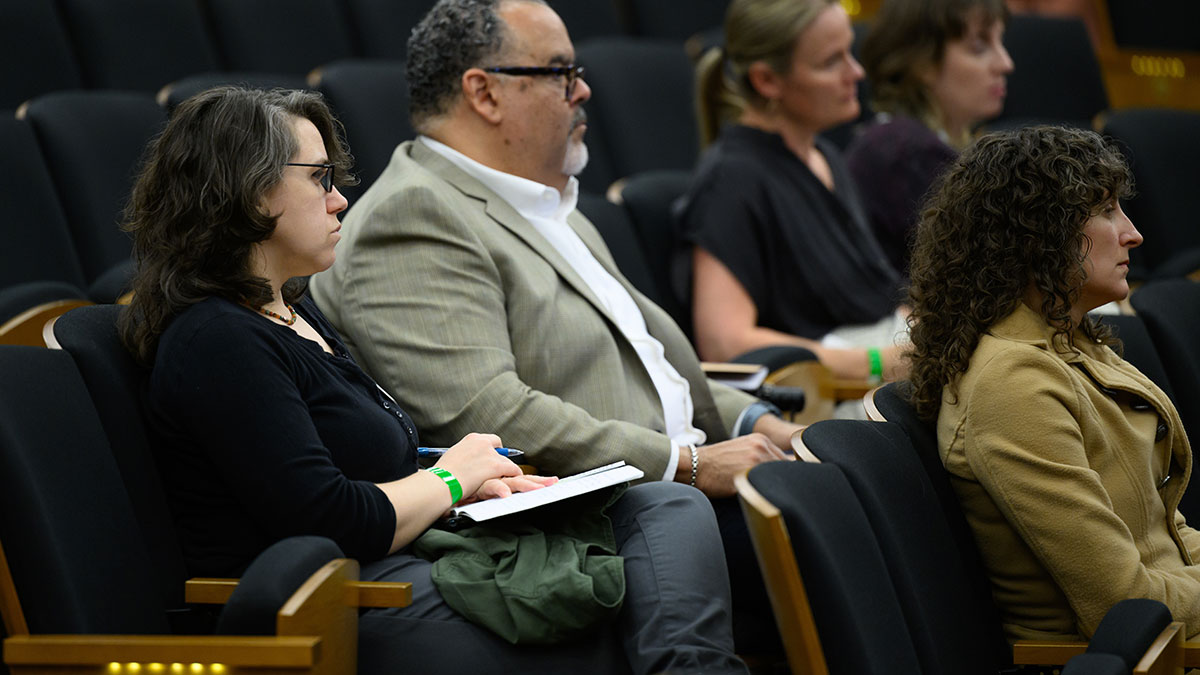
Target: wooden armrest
[(845, 390), (26, 327), (1045, 652), (94, 650), (211, 591), (1165, 654)]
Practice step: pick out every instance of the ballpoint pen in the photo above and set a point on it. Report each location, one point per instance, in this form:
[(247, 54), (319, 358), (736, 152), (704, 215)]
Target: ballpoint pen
[(438, 452)]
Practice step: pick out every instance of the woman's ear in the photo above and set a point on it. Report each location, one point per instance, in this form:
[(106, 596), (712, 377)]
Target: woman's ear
[(480, 94), (765, 80)]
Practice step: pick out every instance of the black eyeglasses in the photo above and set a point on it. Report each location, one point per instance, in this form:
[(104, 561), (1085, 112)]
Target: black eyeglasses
[(326, 178), (571, 72)]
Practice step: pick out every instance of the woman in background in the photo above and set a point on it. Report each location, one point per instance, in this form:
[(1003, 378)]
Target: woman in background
[(937, 68), (1069, 463), (781, 250), (265, 427)]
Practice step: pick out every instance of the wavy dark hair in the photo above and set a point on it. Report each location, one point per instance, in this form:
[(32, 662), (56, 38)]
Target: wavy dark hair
[(196, 211), (907, 36), (1007, 215)]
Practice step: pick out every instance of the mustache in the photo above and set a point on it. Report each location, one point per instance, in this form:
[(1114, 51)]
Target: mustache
[(580, 118)]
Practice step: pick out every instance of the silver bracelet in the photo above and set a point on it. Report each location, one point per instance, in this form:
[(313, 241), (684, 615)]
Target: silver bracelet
[(695, 461)]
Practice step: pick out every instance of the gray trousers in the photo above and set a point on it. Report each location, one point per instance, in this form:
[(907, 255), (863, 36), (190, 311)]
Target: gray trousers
[(675, 618)]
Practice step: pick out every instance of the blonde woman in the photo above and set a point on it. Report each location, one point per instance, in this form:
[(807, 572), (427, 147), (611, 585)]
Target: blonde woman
[(781, 250)]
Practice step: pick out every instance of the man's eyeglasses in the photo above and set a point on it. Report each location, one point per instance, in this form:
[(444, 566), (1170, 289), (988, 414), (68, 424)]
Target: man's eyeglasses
[(571, 72), (326, 178)]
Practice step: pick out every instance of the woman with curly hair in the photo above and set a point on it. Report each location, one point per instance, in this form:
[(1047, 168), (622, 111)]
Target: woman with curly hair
[(1068, 462), (937, 69)]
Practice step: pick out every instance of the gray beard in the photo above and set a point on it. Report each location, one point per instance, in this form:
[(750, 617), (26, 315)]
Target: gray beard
[(576, 158)]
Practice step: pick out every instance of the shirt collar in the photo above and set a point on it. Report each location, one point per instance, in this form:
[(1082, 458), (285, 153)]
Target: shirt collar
[(530, 198)]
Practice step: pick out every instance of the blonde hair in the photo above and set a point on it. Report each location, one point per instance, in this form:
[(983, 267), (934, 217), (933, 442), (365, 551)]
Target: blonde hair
[(755, 30)]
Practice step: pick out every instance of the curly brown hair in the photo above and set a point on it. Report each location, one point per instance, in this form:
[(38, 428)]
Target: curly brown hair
[(196, 211), (1008, 215)]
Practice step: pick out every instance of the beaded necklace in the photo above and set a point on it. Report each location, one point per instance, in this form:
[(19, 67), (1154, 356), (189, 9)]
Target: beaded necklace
[(273, 315)]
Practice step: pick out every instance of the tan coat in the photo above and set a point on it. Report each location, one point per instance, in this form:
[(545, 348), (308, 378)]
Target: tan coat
[(474, 322), (1059, 473)]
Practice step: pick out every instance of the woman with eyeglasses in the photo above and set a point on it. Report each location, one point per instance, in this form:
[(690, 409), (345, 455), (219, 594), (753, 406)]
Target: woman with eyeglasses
[(1068, 462), (265, 427), (780, 248), (937, 69)]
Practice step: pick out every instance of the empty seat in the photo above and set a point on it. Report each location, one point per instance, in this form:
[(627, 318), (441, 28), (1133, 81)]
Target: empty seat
[(382, 27), (370, 97), (182, 89), (1057, 77), (38, 56), (138, 44), (92, 142), (587, 19), (642, 109), (1159, 145), (669, 20), (37, 243), (278, 36)]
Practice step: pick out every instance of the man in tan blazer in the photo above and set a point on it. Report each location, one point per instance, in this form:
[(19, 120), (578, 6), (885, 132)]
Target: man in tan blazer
[(468, 285)]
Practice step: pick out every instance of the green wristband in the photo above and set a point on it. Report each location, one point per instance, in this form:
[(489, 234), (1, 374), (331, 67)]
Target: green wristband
[(876, 360), (450, 481)]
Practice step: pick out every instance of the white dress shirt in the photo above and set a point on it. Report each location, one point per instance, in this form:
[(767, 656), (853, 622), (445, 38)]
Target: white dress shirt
[(546, 209)]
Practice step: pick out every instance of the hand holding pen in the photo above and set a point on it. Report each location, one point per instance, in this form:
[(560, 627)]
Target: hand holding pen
[(438, 452)]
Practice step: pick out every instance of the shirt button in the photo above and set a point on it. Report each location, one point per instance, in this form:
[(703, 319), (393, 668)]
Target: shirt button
[(1161, 432), (387, 405)]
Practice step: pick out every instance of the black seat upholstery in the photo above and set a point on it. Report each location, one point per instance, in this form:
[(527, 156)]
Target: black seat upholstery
[(858, 617), (92, 142), (1170, 309), (278, 36), (138, 44), (617, 229), (642, 111), (184, 88), (1057, 77), (113, 378), (38, 57), (951, 619), (382, 27), (65, 520), (38, 245), (890, 403), (667, 20), (370, 97), (651, 198), (1158, 144), (1139, 348), (76, 561)]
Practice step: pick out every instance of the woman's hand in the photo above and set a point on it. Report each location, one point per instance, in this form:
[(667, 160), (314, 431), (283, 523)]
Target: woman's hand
[(474, 461), (504, 487)]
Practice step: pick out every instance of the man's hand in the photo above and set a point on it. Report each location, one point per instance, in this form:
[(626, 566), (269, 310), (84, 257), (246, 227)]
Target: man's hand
[(720, 462), (778, 430)]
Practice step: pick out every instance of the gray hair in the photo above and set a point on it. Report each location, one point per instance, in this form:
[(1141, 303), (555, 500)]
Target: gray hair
[(454, 36)]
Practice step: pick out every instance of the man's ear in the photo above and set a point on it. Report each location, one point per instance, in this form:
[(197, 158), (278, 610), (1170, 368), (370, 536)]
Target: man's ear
[(480, 95), (765, 80)]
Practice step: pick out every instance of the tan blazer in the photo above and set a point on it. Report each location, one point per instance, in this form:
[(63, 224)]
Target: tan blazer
[(1059, 469), (458, 307)]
